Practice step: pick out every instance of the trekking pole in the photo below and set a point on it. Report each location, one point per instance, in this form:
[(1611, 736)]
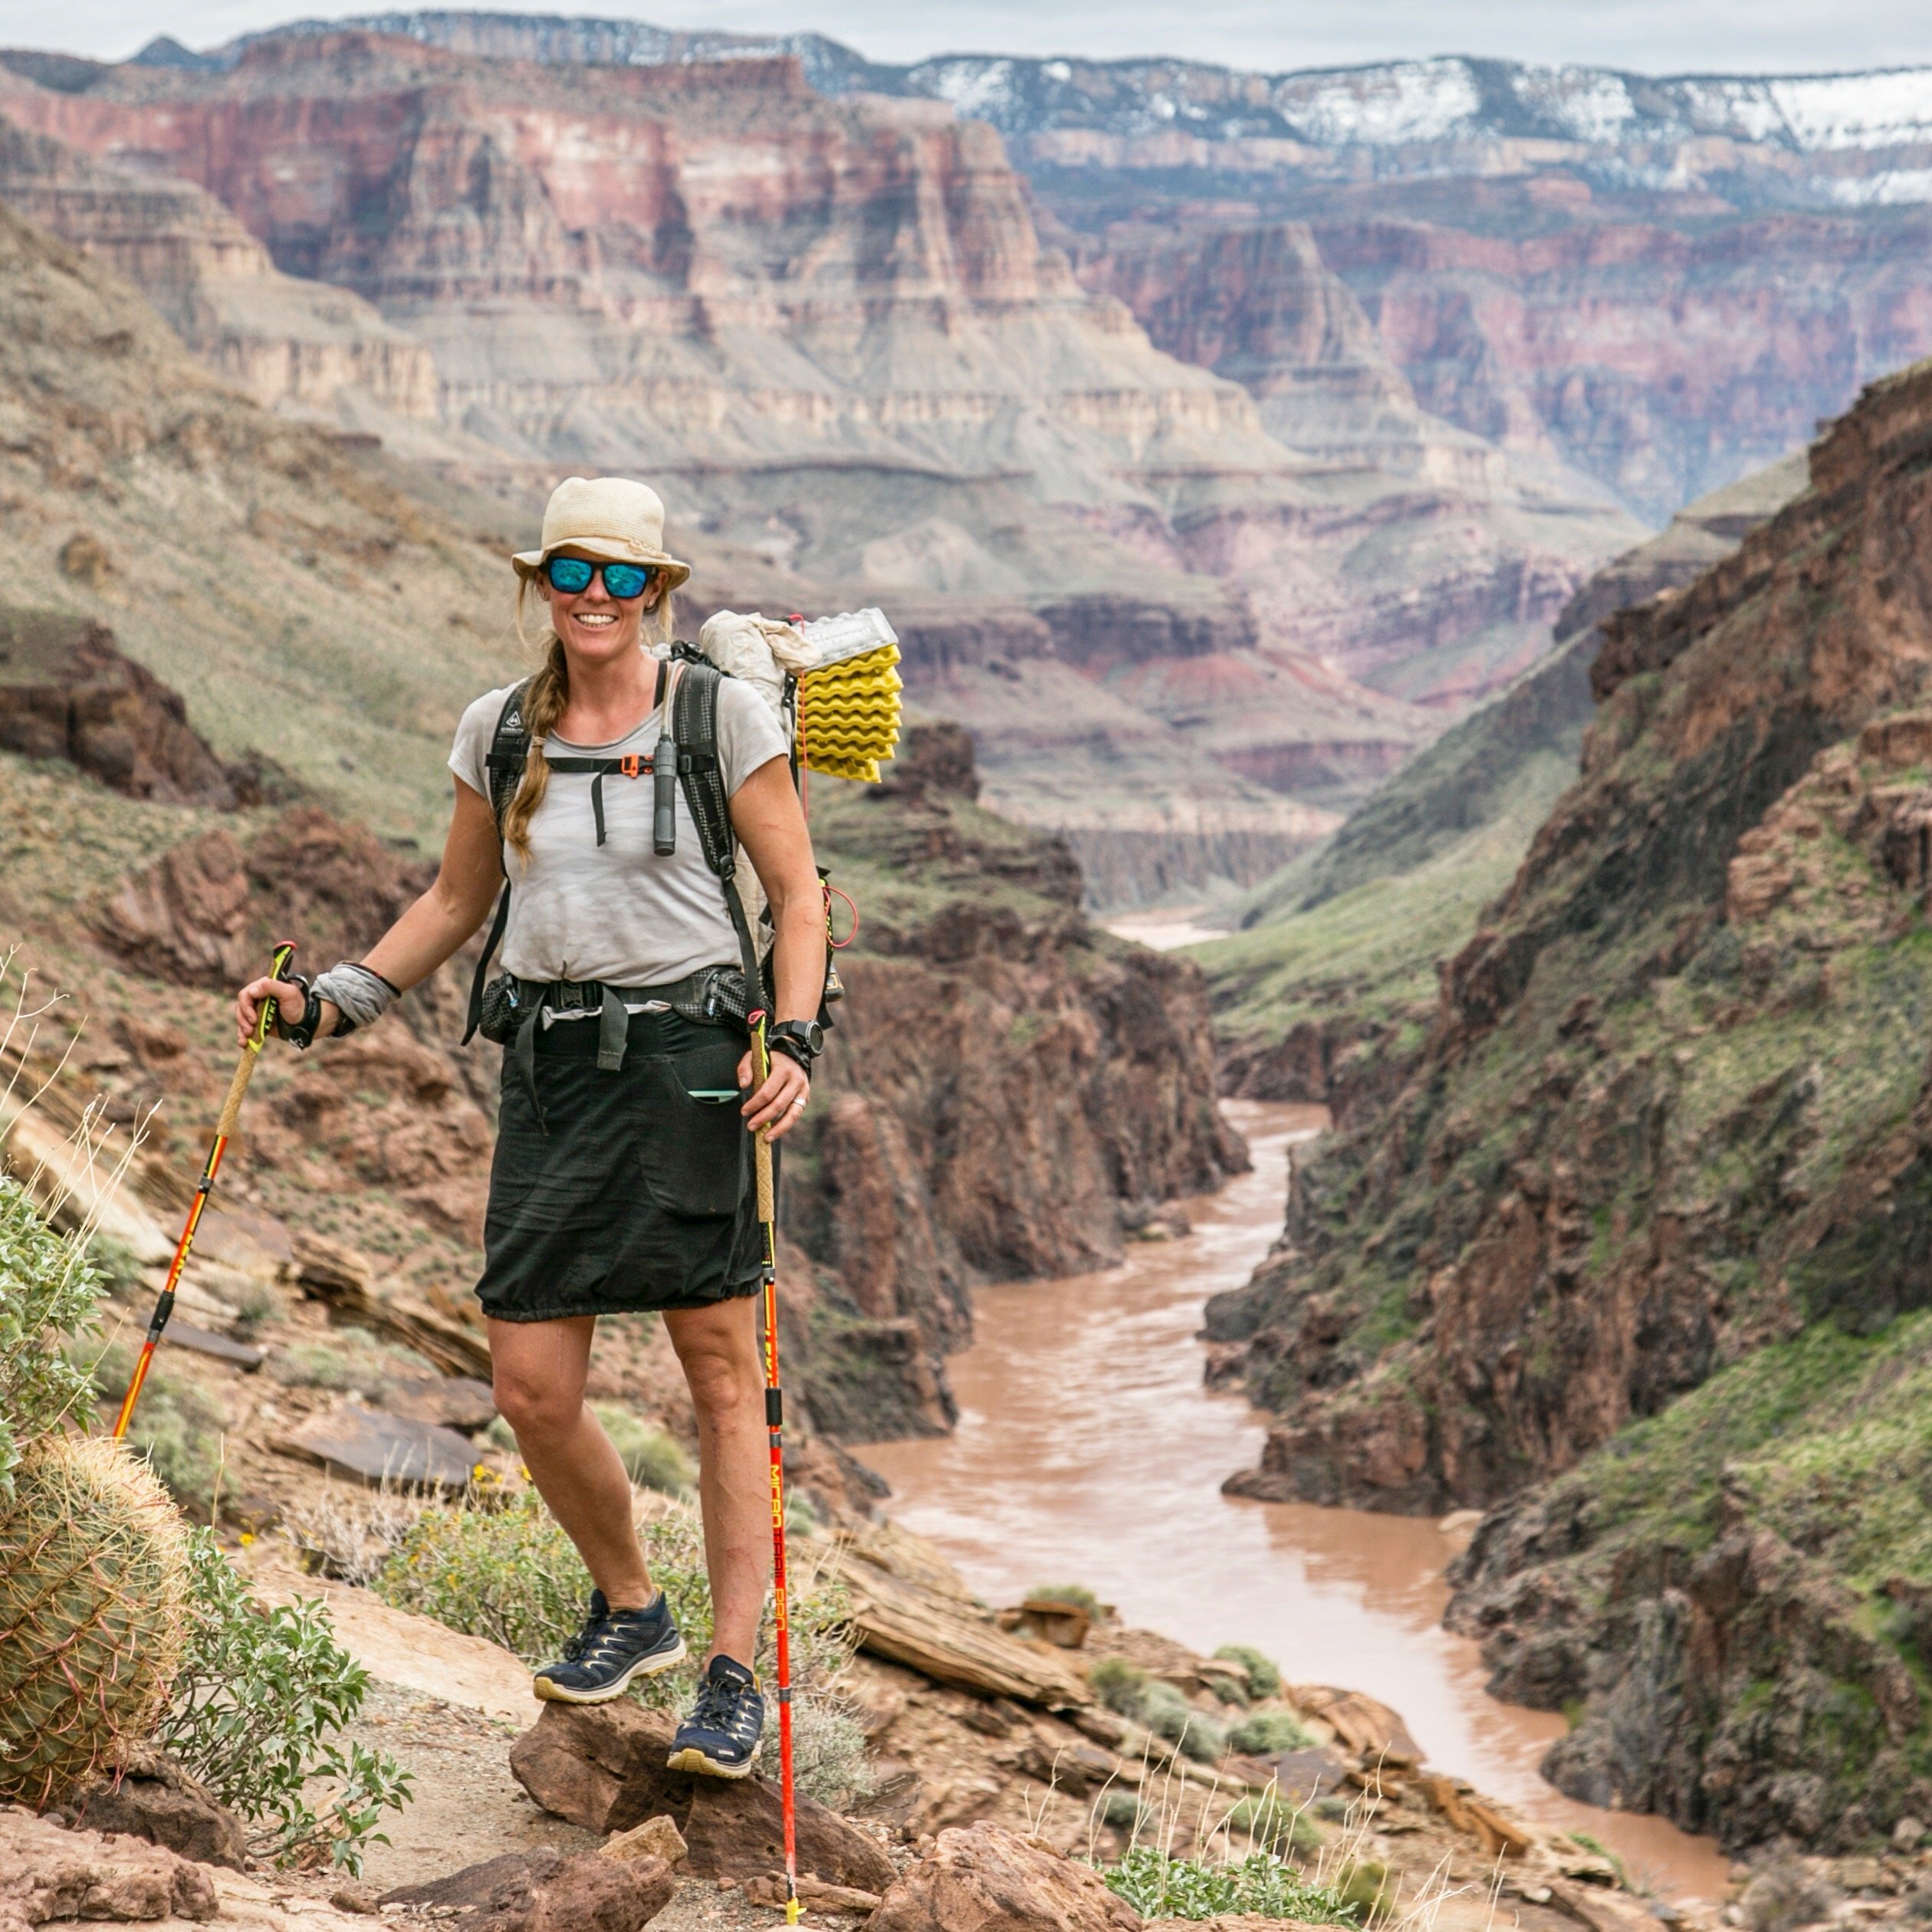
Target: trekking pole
[(775, 1428), (224, 1128)]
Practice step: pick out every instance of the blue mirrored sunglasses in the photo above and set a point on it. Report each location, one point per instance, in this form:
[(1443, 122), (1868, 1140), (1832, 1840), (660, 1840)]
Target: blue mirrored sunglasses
[(572, 574)]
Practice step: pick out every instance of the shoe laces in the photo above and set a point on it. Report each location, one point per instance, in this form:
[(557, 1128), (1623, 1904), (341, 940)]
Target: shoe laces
[(721, 1702), (576, 1647)]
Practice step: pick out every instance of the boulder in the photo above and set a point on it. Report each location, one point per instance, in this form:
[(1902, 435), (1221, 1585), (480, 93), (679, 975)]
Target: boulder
[(154, 1799), (47, 1873), (67, 691), (984, 1878), (544, 1890), (656, 1838), (602, 1766), (383, 1448)]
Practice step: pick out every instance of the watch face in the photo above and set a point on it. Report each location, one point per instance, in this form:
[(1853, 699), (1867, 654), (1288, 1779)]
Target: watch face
[(814, 1036)]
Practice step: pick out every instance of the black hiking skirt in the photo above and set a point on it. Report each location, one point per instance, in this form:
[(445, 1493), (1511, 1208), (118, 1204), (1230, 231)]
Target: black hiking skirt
[(631, 1194)]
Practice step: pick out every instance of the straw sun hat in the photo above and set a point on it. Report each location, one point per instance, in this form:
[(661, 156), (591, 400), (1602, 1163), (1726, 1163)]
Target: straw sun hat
[(609, 518)]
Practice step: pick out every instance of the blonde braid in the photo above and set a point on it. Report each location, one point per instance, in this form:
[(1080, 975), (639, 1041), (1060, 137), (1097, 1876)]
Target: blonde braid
[(544, 703)]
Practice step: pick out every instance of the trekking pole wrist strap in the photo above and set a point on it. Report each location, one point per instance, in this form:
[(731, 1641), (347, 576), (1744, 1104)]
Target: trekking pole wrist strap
[(793, 1051)]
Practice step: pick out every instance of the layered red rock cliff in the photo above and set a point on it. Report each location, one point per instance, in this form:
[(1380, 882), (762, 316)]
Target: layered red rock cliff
[(831, 331)]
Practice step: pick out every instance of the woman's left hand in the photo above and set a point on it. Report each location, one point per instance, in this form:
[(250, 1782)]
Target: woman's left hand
[(778, 1105)]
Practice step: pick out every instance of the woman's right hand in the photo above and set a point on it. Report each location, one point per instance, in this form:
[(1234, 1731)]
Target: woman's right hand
[(289, 999)]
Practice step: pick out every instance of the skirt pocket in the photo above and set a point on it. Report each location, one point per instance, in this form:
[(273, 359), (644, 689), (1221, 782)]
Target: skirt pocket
[(691, 1136)]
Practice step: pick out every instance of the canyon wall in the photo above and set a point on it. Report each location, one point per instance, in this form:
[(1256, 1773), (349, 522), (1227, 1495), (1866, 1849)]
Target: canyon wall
[(1632, 1247), (832, 330)]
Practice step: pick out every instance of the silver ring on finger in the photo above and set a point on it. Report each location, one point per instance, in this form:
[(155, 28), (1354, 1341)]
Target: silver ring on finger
[(798, 1106)]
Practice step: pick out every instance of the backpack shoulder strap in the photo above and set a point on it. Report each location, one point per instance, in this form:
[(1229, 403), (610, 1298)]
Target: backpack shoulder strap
[(694, 730), (509, 753)]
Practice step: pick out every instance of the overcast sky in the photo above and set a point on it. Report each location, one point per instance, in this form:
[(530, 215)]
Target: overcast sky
[(1650, 36)]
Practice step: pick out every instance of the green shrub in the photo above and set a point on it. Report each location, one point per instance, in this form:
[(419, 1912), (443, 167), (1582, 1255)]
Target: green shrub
[(1274, 1825), (511, 1575), (258, 1303), (1078, 1595), (1167, 1714), (828, 1750), (651, 1459), (1121, 1686), (1160, 1887), (348, 1358), (257, 1709), (47, 1296), (1263, 1733), (1363, 1886), (1121, 1811), (1264, 1675)]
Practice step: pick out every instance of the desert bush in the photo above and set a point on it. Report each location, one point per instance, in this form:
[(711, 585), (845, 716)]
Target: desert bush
[(1121, 1811), (1782, 1895), (828, 1750), (1274, 1825), (346, 1359), (47, 1296), (1263, 1733), (651, 1459), (1158, 1886), (1078, 1595), (349, 1534), (1119, 1685), (1263, 1674), (1193, 1733), (258, 1708), (258, 1303), (1362, 1884)]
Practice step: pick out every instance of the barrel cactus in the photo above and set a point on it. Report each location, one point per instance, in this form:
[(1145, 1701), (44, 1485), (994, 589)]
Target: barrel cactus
[(93, 1604)]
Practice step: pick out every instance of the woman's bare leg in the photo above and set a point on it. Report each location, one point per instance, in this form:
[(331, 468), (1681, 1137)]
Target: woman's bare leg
[(718, 1347), (538, 1369)]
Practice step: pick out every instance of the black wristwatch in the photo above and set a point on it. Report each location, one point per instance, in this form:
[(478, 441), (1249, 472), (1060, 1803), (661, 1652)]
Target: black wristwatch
[(802, 1040)]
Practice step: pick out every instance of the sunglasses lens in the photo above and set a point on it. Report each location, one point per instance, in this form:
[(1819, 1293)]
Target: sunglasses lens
[(626, 580), (570, 574)]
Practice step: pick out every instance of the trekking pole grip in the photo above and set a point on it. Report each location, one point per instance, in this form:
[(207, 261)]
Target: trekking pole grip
[(244, 1068)]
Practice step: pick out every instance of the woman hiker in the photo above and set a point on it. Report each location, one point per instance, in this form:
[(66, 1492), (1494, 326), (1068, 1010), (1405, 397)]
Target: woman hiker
[(617, 1191)]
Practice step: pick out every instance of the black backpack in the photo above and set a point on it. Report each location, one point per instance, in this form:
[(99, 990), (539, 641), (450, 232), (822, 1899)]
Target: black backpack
[(693, 731)]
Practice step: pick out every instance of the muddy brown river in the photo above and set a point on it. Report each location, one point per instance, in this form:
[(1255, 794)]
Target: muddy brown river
[(1088, 1451)]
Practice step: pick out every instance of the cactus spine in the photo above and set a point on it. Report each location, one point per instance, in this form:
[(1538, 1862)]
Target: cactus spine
[(94, 1605)]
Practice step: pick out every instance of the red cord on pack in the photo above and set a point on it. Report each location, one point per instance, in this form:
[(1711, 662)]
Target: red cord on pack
[(831, 892)]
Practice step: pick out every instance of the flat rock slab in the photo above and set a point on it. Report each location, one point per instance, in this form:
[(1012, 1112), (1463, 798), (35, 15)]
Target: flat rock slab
[(1303, 1777), (543, 1890), (602, 1766), (224, 1348), (378, 1447), (458, 1402), (399, 1646), (987, 1879)]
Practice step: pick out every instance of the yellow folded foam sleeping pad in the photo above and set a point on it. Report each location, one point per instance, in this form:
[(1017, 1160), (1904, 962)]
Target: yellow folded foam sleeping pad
[(849, 714)]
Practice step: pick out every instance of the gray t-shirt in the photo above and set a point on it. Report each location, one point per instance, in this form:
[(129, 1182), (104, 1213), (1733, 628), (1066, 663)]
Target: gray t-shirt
[(617, 913)]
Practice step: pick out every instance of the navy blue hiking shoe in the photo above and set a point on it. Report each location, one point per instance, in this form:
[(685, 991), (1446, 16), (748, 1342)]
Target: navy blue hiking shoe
[(720, 1738), (614, 1647)]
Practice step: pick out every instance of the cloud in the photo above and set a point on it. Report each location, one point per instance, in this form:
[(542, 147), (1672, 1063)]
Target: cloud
[(1648, 36)]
